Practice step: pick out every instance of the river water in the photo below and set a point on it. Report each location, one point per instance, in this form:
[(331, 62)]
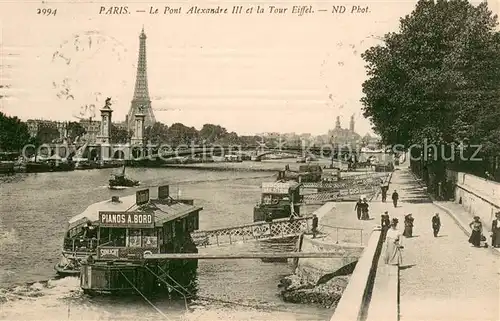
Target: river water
[(34, 209)]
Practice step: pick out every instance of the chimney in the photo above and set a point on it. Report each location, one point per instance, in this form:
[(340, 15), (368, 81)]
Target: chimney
[(163, 192)]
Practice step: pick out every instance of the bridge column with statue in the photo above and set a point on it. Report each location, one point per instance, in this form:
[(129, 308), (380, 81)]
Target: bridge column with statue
[(105, 132), (138, 136)]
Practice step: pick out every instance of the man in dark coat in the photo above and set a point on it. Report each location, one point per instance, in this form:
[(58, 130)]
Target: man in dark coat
[(495, 231), (395, 198), (383, 189), (315, 226), (385, 223), (359, 207), (436, 224)]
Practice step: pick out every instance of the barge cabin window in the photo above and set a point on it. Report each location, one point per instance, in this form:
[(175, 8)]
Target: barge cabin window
[(112, 236), (81, 238), (142, 238), (122, 237)]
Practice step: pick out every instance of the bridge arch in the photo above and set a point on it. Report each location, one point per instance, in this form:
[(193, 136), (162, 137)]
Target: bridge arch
[(93, 153), (259, 156), (137, 152), (119, 154)]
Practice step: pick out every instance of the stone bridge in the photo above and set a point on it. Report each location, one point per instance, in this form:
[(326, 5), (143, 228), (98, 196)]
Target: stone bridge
[(138, 152), (260, 154)]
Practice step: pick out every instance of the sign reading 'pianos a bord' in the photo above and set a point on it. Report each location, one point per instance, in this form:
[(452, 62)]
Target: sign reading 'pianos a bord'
[(126, 219)]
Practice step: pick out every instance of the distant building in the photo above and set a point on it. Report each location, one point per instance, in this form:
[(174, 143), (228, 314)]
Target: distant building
[(121, 125), (35, 124), (341, 136), (305, 136), (371, 142), (292, 139), (92, 128), (269, 135)]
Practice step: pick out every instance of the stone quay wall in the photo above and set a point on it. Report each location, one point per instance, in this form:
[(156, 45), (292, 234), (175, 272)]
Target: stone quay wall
[(477, 195), (355, 301), (311, 270)]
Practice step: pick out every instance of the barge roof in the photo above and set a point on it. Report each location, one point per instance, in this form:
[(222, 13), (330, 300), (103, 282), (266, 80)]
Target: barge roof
[(163, 211)]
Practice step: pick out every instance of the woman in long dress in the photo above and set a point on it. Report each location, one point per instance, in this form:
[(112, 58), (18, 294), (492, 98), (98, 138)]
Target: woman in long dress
[(408, 232), (364, 210), (393, 245), (495, 231), (477, 232)]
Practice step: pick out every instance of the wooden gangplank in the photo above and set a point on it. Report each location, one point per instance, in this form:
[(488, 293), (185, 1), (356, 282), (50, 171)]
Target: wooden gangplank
[(349, 182), (351, 188), (260, 231), (260, 255)]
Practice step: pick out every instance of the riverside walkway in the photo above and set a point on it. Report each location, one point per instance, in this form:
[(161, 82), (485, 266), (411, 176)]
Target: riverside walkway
[(442, 278)]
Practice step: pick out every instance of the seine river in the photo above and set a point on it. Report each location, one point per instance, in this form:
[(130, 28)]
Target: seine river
[(34, 209)]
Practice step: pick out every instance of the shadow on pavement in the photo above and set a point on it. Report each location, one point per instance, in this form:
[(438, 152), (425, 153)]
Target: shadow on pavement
[(417, 200), (404, 267), (414, 192)]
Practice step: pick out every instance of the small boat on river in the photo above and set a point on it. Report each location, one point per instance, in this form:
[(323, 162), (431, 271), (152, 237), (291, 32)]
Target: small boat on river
[(120, 181), (8, 162), (278, 200)]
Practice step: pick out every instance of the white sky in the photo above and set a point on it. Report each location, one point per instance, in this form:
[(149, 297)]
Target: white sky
[(248, 73)]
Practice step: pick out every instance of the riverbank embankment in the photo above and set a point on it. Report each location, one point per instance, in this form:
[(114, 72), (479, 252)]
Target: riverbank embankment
[(263, 166), (322, 281)]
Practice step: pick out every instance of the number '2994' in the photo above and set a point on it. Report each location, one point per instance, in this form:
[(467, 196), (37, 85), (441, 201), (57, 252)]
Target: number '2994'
[(46, 12)]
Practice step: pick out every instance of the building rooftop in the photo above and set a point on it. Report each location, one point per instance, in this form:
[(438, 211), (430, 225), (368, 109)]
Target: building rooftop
[(164, 211)]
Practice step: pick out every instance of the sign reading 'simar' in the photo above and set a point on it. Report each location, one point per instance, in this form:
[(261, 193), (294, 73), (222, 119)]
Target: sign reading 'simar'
[(126, 219)]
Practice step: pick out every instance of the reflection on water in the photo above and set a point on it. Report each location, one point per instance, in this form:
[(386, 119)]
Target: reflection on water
[(35, 208)]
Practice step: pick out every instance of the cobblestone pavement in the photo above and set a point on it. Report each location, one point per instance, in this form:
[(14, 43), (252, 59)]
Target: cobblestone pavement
[(442, 278)]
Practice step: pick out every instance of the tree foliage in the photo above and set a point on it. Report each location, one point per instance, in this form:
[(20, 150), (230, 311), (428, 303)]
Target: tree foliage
[(75, 129), (179, 134), (13, 133), (438, 78), (119, 135), (47, 133), (157, 133), (212, 133)]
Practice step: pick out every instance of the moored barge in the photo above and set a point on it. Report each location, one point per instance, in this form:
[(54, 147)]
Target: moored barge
[(107, 242), (278, 200)]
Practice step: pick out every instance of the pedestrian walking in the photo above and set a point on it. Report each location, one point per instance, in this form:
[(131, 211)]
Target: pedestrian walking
[(395, 198), (408, 231), (364, 209), (495, 231), (359, 207), (315, 226), (385, 223), (436, 224), (477, 232), (393, 245)]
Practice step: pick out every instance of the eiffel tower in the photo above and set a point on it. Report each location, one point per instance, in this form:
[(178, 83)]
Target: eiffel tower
[(141, 102)]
